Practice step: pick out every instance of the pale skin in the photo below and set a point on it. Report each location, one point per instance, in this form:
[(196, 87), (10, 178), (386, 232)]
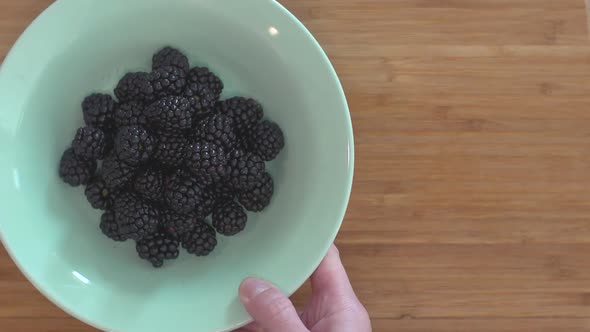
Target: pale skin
[(334, 307)]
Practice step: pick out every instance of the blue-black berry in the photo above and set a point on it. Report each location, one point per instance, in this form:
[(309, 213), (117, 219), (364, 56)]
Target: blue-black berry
[(98, 111), (110, 228), (135, 86), (182, 193), (116, 173), (266, 140), (131, 113), (171, 114), (244, 169), (204, 76), (149, 184), (90, 143), (218, 129), (99, 194), (157, 248), (169, 56), (134, 145), (201, 240), (258, 197), (207, 161), (229, 219), (167, 81), (136, 218), (245, 112), (75, 170)]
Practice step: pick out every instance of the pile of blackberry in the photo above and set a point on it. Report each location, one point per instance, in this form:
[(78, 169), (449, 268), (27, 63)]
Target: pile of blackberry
[(169, 162)]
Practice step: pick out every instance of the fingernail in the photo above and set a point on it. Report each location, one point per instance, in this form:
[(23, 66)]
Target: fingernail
[(251, 287)]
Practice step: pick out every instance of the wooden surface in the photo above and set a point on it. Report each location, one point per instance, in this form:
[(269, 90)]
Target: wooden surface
[(471, 204)]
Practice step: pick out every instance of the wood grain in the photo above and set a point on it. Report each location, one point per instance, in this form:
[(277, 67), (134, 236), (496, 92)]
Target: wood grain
[(471, 203)]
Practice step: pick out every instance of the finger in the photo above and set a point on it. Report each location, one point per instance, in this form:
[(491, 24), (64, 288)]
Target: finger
[(269, 307), (330, 277), (250, 328)]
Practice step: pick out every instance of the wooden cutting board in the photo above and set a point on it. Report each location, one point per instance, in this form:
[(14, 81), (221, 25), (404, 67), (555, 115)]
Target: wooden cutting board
[(471, 205)]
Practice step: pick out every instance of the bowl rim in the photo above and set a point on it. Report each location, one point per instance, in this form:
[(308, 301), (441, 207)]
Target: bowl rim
[(314, 263)]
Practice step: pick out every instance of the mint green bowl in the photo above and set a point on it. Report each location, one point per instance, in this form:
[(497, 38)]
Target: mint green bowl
[(77, 47)]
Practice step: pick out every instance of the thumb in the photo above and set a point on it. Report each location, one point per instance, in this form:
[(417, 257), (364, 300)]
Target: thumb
[(269, 307)]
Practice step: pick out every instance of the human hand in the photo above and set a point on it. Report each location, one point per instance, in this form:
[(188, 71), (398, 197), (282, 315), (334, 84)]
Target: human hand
[(334, 307)]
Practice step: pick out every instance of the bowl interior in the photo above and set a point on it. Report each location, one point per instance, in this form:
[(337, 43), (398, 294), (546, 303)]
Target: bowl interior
[(78, 47)]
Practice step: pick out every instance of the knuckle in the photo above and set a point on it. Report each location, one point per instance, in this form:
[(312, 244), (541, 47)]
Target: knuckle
[(279, 306)]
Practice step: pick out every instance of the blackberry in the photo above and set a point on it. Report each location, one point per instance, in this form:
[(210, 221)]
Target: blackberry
[(89, 143), (116, 173), (201, 99), (218, 129), (156, 248), (203, 76), (99, 195), (136, 218), (221, 192), (98, 111), (109, 226), (229, 218), (207, 161), (135, 86), (169, 56), (181, 193), (266, 140), (244, 169), (131, 113), (171, 114), (167, 81), (245, 112), (75, 170), (134, 145), (206, 205), (169, 150), (201, 240), (149, 183), (258, 197), (178, 224)]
